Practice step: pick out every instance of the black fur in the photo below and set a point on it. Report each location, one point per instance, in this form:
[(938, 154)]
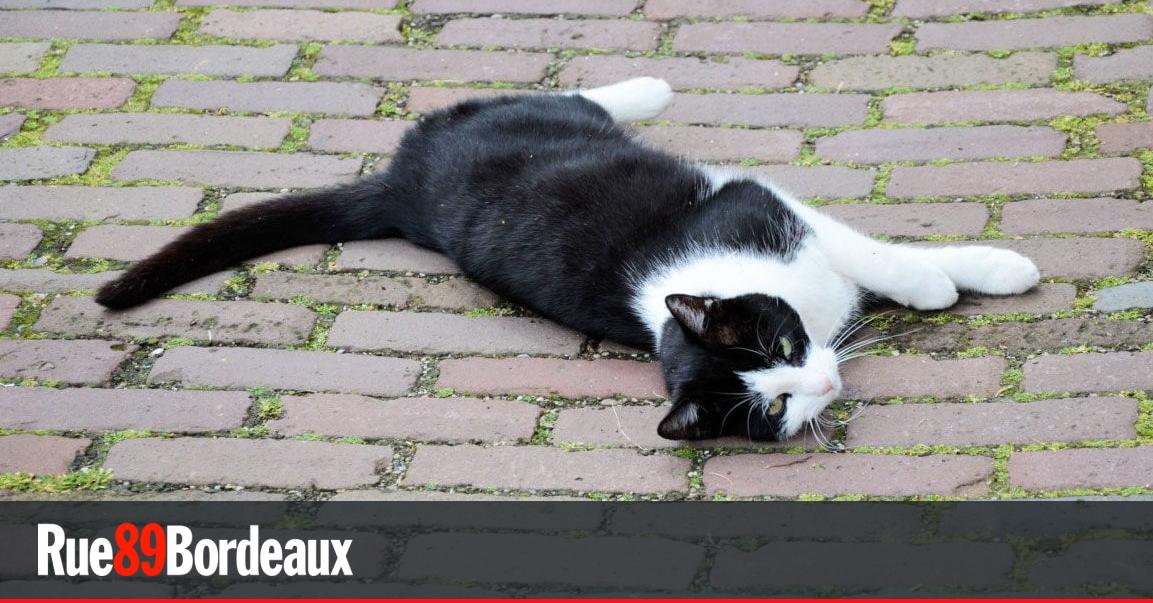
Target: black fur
[(543, 199)]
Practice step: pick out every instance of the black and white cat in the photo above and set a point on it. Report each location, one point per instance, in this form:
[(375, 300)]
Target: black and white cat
[(548, 201)]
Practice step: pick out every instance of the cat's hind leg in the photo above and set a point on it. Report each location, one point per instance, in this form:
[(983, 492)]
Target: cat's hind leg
[(632, 100)]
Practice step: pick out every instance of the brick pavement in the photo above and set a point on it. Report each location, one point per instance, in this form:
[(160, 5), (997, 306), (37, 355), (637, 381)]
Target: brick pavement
[(373, 367)]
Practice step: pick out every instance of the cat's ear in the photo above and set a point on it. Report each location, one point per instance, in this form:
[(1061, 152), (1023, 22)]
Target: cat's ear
[(703, 317), (686, 421)]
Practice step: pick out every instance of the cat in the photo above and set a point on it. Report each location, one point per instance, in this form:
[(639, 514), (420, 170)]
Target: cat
[(744, 293)]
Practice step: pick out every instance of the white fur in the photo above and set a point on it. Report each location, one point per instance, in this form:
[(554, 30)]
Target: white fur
[(632, 100)]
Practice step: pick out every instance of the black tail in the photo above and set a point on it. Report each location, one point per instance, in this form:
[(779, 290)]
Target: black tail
[(347, 213)]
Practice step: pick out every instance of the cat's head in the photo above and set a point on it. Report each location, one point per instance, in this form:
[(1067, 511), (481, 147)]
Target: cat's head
[(742, 366)]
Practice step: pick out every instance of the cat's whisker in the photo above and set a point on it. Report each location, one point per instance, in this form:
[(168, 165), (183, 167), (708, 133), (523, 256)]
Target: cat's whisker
[(854, 327)]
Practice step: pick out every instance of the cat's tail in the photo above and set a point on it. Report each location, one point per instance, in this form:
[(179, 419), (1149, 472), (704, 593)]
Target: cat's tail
[(345, 213)]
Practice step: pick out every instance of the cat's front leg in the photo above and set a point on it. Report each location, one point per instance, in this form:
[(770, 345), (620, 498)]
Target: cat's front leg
[(984, 269)]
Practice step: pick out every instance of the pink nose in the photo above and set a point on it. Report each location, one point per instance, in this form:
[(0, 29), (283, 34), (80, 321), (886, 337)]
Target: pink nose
[(826, 386)]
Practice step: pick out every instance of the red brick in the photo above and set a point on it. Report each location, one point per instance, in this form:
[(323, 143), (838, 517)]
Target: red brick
[(221, 322), (608, 8), (1096, 560), (150, 128), (1041, 299), (75, 4), (1050, 32), (843, 474), (544, 376), (98, 203), (47, 281), (272, 61), (426, 332), (1093, 372), (18, 240), (769, 109), (455, 293), (994, 423), (66, 93), (424, 64), (236, 368), (1122, 138), (995, 105), (363, 4), (424, 100), (725, 144), (394, 255), (820, 180), (236, 168), (87, 409), (268, 463), (239, 200), (8, 304), (423, 419), (298, 97), (32, 163), (22, 57), (1033, 216), (1082, 468), (992, 178), (534, 467), (911, 376), (942, 71), (682, 73), (88, 361), (942, 8), (10, 124), (1075, 258), (786, 38), (302, 25), (1126, 64), (132, 243), (668, 9), (94, 25), (930, 144), (39, 455), (550, 33), (912, 219), (356, 135), (1021, 338)]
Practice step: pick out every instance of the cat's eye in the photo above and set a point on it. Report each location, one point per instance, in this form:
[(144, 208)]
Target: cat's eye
[(786, 347), (778, 404)]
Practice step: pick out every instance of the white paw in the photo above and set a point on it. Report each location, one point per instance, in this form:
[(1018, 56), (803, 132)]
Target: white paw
[(996, 271), (633, 100), (925, 287)]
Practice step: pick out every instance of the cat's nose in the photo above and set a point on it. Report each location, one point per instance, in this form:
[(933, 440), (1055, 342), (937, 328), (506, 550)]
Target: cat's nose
[(827, 386)]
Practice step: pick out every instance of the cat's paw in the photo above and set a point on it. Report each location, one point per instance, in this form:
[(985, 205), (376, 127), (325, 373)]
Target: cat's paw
[(995, 271), (925, 287), (633, 100)]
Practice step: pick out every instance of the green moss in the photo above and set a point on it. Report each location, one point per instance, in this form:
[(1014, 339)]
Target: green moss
[(260, 431), (142, 97), (999, 54), (1082, 135), (973, 352), (268, 408), (902, 46), (297, 136), (82, 480), (443, 392), (544, 427), (880, 10)]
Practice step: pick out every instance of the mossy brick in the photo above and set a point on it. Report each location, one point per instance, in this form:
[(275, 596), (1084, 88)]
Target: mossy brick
[(39, 454), (218, 60), (538, 467), (132, 243), (725, 144), (93, 409), (356, 135), (66, 93), (86, 361), (769, 109), (234, 368), (238, 200), (1002, 178), (945, 8), (940, 71), (1083, 257), (353, 4), (550, 33), (1082, 468), (427, 332), (22, 57), (545, 376), (455, 293), (423, 99), (995, 105), (426, 64), (85, 203), (602, 8), (10, 124), (827, 181), (1123, 138), (166, 128), (1036, 216), (786, 38), (244, 462), (18, 240), (1123, 297), (46, 281), (8, 304), (912, 219), (994, 423), (302, 25), (394, 255), (421, 419), (797, 9), (844, 474), (221, 321), (31, 163), (1049, 32), (75, 4), (1093, 372), (1125, 64), (347, 98), (1081, 564), (931, 144), (1031, 337), (912, 376), (682, 73), (1041, 299), (237, 168), (85, 25)]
